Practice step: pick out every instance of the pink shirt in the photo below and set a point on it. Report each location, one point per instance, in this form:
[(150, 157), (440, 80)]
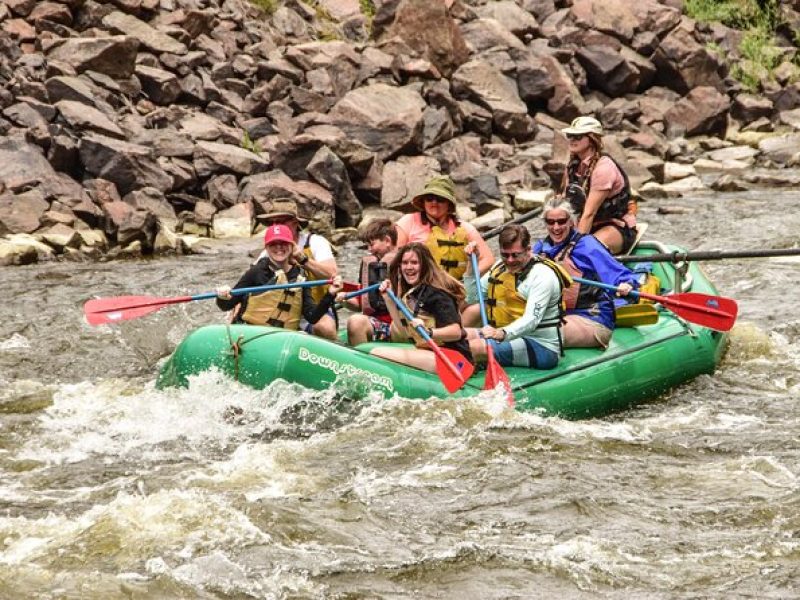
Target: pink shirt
[(606, 176), (417, 231)]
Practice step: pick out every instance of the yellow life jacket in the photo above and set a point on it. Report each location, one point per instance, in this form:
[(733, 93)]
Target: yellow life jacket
[(278, 308), (317, 293), (504, 303), (448, 250), (402, 331)]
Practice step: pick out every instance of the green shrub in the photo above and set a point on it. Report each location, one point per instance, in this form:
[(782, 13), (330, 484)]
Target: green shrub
[(250, 144), (367, 8), (759, 54)]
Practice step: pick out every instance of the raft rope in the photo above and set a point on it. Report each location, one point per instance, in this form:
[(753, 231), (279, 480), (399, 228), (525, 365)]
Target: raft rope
[(237, 347)]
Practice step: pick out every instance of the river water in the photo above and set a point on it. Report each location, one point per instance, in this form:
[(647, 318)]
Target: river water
[(112, 489)]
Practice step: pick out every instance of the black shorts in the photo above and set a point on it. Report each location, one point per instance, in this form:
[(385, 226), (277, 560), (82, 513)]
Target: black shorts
[(628, 235)]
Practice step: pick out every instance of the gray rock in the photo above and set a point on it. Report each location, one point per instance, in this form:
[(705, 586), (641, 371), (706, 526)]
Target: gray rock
[(212, 157), (149, 37), (404, 178), (129, 166), (162, 87), (114, 56), (82, 117), (21, 213), (387, 120), (330, 172)]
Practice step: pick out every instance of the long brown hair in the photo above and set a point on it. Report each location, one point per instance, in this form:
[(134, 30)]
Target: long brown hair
[(429, 273)]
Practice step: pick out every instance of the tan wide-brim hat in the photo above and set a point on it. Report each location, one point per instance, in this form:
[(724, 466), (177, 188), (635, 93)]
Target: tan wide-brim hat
[(283, 207), (441, 186), (582, 126)]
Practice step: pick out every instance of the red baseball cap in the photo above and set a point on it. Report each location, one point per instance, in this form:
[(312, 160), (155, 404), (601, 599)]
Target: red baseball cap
[(278, 233)]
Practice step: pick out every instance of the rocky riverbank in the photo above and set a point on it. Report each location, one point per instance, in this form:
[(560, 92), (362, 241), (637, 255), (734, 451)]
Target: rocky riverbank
[(138, 126)]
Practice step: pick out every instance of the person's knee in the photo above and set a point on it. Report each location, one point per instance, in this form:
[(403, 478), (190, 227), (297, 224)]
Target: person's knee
[(325, 327)]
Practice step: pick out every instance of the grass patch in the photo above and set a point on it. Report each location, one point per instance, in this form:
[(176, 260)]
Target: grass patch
[(266, 6), (758, 20), (367, 8), (250, 144)]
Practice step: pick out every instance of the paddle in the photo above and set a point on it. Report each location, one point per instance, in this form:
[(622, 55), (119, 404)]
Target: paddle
[(520, 219), (676, 257), (714, 312), (451, 366), (365, 290), (495, 375), (103, 311)]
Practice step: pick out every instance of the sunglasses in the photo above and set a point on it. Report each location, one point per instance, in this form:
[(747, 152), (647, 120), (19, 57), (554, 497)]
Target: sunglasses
[(438, 199), (514, 255), (563, 221), (575, 136)]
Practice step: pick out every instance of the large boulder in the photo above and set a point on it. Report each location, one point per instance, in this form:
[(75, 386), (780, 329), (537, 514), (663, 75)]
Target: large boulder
[(703, 110), (388, 120), (684, 63), (404, 178), (613, 17), (330, 172), (482, 83), (149, 37), (511, 16), (21, 213), (211, 158), (427, 27), (114, 55), (314, 202), (22, 165), (129, 166), (607, 70)]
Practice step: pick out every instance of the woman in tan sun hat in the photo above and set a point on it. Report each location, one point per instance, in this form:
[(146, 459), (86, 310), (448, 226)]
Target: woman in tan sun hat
[(436, 225), (597, 187)]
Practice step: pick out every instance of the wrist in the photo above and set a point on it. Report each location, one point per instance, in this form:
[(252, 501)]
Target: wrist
[(303, 259), (503, 335)]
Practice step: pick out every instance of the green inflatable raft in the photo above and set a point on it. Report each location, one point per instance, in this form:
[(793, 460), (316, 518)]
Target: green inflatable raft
[(640, 363)]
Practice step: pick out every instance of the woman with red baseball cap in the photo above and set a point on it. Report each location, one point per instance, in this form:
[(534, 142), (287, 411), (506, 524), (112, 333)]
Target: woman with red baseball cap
[(277, 308)]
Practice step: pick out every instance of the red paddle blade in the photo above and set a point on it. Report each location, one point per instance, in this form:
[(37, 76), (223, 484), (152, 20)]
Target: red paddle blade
[(495, 375), (349, 286), (105, 311), (453, 378), (714, 312)]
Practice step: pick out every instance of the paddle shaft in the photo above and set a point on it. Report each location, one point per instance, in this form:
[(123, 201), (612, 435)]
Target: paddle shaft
[(676, 257), (665, 300), (209, 295), (362, 291), (520, 219), (481, 301), (421, 330)]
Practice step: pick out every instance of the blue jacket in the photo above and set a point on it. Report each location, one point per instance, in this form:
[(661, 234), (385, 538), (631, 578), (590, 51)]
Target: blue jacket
[(596, 263)]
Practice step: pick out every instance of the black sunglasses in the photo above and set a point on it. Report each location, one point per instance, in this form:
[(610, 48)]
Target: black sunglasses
[(557, 221), (575, 136)]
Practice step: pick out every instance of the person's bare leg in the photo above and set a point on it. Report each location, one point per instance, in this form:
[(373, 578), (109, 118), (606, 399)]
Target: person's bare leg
[(610, 237), (359, 330), (325, 328), (471, 317), (413, 357)]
